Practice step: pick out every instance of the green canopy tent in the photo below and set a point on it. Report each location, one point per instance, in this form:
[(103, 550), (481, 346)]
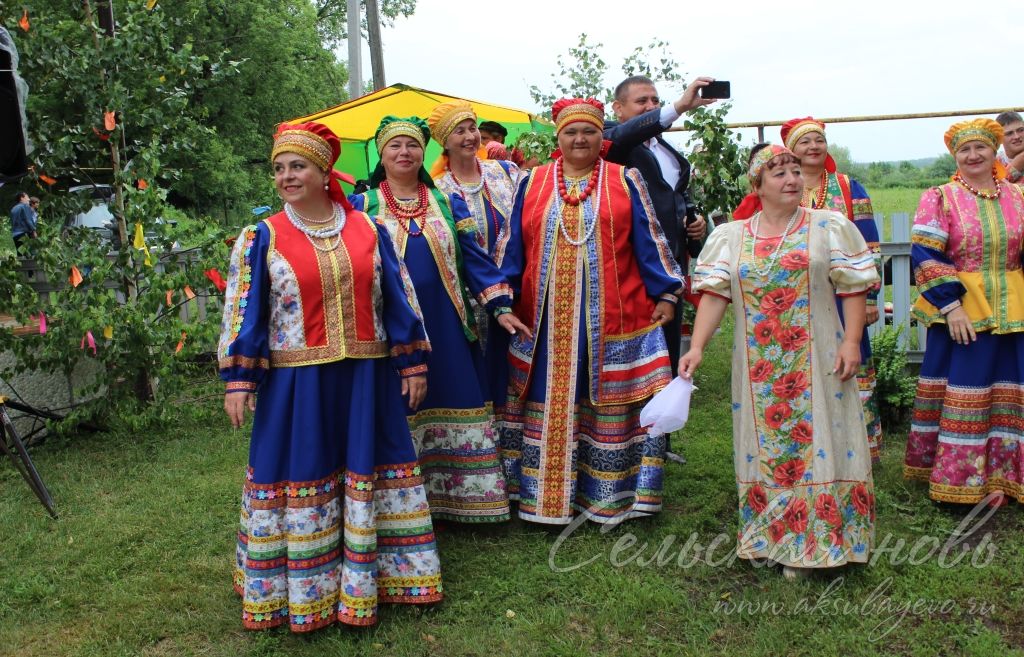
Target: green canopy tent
[(355, 122)]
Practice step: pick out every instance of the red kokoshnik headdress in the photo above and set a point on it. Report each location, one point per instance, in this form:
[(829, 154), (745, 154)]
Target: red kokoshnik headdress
[(794, 129), (571, 110), (318, 144)]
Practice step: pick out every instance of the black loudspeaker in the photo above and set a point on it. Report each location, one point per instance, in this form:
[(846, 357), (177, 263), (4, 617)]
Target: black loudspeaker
[(13, 158)]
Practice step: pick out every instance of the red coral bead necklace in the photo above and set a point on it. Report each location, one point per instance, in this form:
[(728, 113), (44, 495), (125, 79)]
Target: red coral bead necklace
[(405, 214)]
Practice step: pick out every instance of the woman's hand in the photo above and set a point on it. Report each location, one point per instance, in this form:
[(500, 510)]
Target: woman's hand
[(870, 315), (511, 323), (689, 363), (960, 327), (414, 389), (235, 404), (663, 312), (847, 360)]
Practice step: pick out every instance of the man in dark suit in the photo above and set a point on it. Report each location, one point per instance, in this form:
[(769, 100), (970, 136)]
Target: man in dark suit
[(637, 142)]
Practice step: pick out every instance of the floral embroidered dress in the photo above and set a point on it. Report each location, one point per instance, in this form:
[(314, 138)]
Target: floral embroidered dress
[(590, 275), (803, 467), (334, 512), (848, 197), (490, 203), (454, 426), (966, 433)]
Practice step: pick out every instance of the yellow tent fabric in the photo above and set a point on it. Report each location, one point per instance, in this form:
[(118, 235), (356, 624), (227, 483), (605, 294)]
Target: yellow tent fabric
[(355, 122)]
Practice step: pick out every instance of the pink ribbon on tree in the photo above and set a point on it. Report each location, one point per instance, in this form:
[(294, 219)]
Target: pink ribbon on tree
[(87, 338)]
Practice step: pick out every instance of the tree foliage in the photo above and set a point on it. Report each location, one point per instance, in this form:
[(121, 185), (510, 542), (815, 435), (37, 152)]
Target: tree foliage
[(281, 61), (583, 73), (717, 160), (282, 69), (92, 94), (187, 93)]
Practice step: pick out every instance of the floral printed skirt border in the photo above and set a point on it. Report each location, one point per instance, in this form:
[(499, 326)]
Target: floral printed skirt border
[(818, 525), (967, 433), (458, 451)]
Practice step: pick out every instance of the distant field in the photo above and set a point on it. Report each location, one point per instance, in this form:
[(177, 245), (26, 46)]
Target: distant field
[(890, 201)]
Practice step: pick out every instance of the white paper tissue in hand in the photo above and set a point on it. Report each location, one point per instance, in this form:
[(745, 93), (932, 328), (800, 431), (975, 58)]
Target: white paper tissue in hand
[(668, 410)]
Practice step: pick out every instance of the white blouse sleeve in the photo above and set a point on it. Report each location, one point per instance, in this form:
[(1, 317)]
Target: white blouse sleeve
[(852, 267), (711, 273)]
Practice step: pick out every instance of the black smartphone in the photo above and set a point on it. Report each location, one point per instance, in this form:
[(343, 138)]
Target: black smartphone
[(716, 89)]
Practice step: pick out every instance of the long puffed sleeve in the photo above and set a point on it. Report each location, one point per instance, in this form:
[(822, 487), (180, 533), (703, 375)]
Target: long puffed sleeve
[(864, 219), (244, 348), (852, 265), (508, 251), (711, 274), (658, 268), (933, 270), (403, 320), (483, 278)]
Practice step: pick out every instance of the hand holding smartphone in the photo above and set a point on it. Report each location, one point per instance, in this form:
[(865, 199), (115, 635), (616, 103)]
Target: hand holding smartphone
[(716, 89)]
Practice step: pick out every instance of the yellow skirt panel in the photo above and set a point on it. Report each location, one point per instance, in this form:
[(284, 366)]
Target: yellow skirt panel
[(978, 306)]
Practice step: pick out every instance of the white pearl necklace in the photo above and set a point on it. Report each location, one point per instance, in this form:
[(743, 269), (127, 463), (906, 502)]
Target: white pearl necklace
[(754, 224), (596, 209), (335, 229)]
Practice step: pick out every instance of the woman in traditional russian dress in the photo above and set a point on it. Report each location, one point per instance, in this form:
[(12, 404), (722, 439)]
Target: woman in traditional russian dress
[(825, 188), (437, 239), (487, 187), (598, 280), (966, 433), (803, 467), (320, 324)]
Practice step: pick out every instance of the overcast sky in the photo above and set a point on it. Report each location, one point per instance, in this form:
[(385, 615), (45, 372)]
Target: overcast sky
[(784, 58)]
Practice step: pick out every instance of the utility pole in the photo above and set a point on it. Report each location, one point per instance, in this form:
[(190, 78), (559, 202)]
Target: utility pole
[(376, 49), (355, 53)]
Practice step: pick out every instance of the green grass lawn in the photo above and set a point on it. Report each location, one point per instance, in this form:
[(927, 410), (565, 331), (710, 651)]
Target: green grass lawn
[(140, 564)]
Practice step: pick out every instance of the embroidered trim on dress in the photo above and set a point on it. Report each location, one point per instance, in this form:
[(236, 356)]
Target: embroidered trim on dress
[(240, 302)]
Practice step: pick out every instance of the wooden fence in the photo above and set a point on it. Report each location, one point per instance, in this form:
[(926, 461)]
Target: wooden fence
[(898, 283)]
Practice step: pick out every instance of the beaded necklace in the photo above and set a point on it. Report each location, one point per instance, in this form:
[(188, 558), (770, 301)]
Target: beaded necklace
[(404, 213), (314, 222), (980, 193), (754, 224), (334, 230), (817, 201), (476, 189), (595, 173), (595, 209)]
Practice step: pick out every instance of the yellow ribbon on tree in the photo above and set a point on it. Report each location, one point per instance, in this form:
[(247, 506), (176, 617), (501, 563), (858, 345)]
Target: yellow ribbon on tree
[(140, 243)]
